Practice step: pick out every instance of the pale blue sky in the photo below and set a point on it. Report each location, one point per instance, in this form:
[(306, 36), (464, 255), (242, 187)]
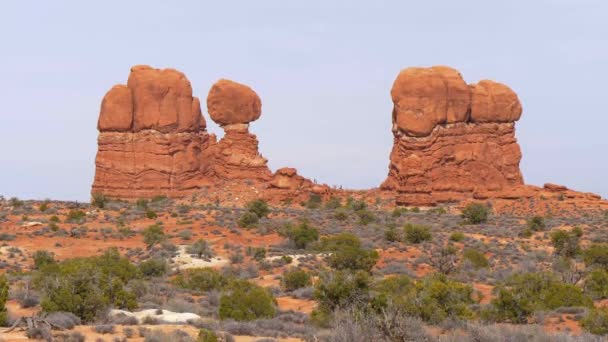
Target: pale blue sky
[(322, 68)]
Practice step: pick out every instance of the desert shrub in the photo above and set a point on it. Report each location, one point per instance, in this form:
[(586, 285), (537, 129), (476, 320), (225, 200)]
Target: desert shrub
[(536, 224), (86, 286), (104, 329), (365, 216), (200, 279), (433, 298), (201, 249), (341, 289), (341, 215), (54, 219), (301, 235), (416, 233), (523, 294), (75, 215), (248, 219), (154, 267), (153, 235), (294, 279), (185, 235), (398, 211), (391, 234), (596, 284), (475, 213), (44, 206), (565, 243), (3, 298), (596, 255), (347, 252), (42, 258), (314, 201), (151, 214), (596, 321), (245, 301), (457, 236), (333, 203), (99, 200), (259, 208), (206, 335), (476, 258), (39, 333), (258, 253), (358, 205)]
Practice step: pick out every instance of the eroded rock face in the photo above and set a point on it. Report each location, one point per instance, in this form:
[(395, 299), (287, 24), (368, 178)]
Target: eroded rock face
[(452, 141), (152, 137)]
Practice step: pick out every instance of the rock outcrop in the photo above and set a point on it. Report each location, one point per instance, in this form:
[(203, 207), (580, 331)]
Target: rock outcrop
[(452, 141), (233, 106), (152, 137)]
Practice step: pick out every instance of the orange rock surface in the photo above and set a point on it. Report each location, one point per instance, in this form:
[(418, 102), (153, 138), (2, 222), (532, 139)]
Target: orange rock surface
[(452, 141)]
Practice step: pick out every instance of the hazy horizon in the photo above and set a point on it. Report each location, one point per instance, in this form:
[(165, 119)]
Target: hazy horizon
[(323, 71)]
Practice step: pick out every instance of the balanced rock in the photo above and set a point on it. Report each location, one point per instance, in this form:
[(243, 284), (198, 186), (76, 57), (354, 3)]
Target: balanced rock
[(231, 103)]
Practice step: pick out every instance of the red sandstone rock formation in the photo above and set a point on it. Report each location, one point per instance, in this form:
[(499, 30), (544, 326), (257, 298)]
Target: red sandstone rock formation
[(152, 137), (233, 105), (452, 141)]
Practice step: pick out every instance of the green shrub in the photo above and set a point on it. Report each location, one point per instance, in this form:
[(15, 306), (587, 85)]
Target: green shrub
[(596, 255), (333, 203), (596, 321), (347, 252), (294, 279), (358, 205), (523, 294), (476, 258), (245, 301), (142, 203), (433, 298), (200, 249), (44, 206), (391, 234), (314, 201), (75, 215), (457, 237), (42, 258), (154, 267), (87, 286), (301, 235), (248, 219), (258, 207), (596, 284), (99, 200), (415, 233), (398, 211), (341, 215), (4, 287), (200, 279), (475, 213), (565, 243), (341, 289), (151, 214), (536, 224), (153, 235), (365, 216), (54, 219), (206, 335)]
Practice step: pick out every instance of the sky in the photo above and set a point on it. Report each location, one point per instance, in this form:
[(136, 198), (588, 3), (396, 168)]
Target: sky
[(323, 70)]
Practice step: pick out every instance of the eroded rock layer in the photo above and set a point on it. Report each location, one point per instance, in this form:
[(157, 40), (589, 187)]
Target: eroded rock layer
[(452, 141)]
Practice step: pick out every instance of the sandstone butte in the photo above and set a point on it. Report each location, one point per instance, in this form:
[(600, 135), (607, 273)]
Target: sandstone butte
[(453, 142)]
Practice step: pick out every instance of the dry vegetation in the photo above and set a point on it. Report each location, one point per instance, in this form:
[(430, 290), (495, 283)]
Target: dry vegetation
[(334, 270)]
